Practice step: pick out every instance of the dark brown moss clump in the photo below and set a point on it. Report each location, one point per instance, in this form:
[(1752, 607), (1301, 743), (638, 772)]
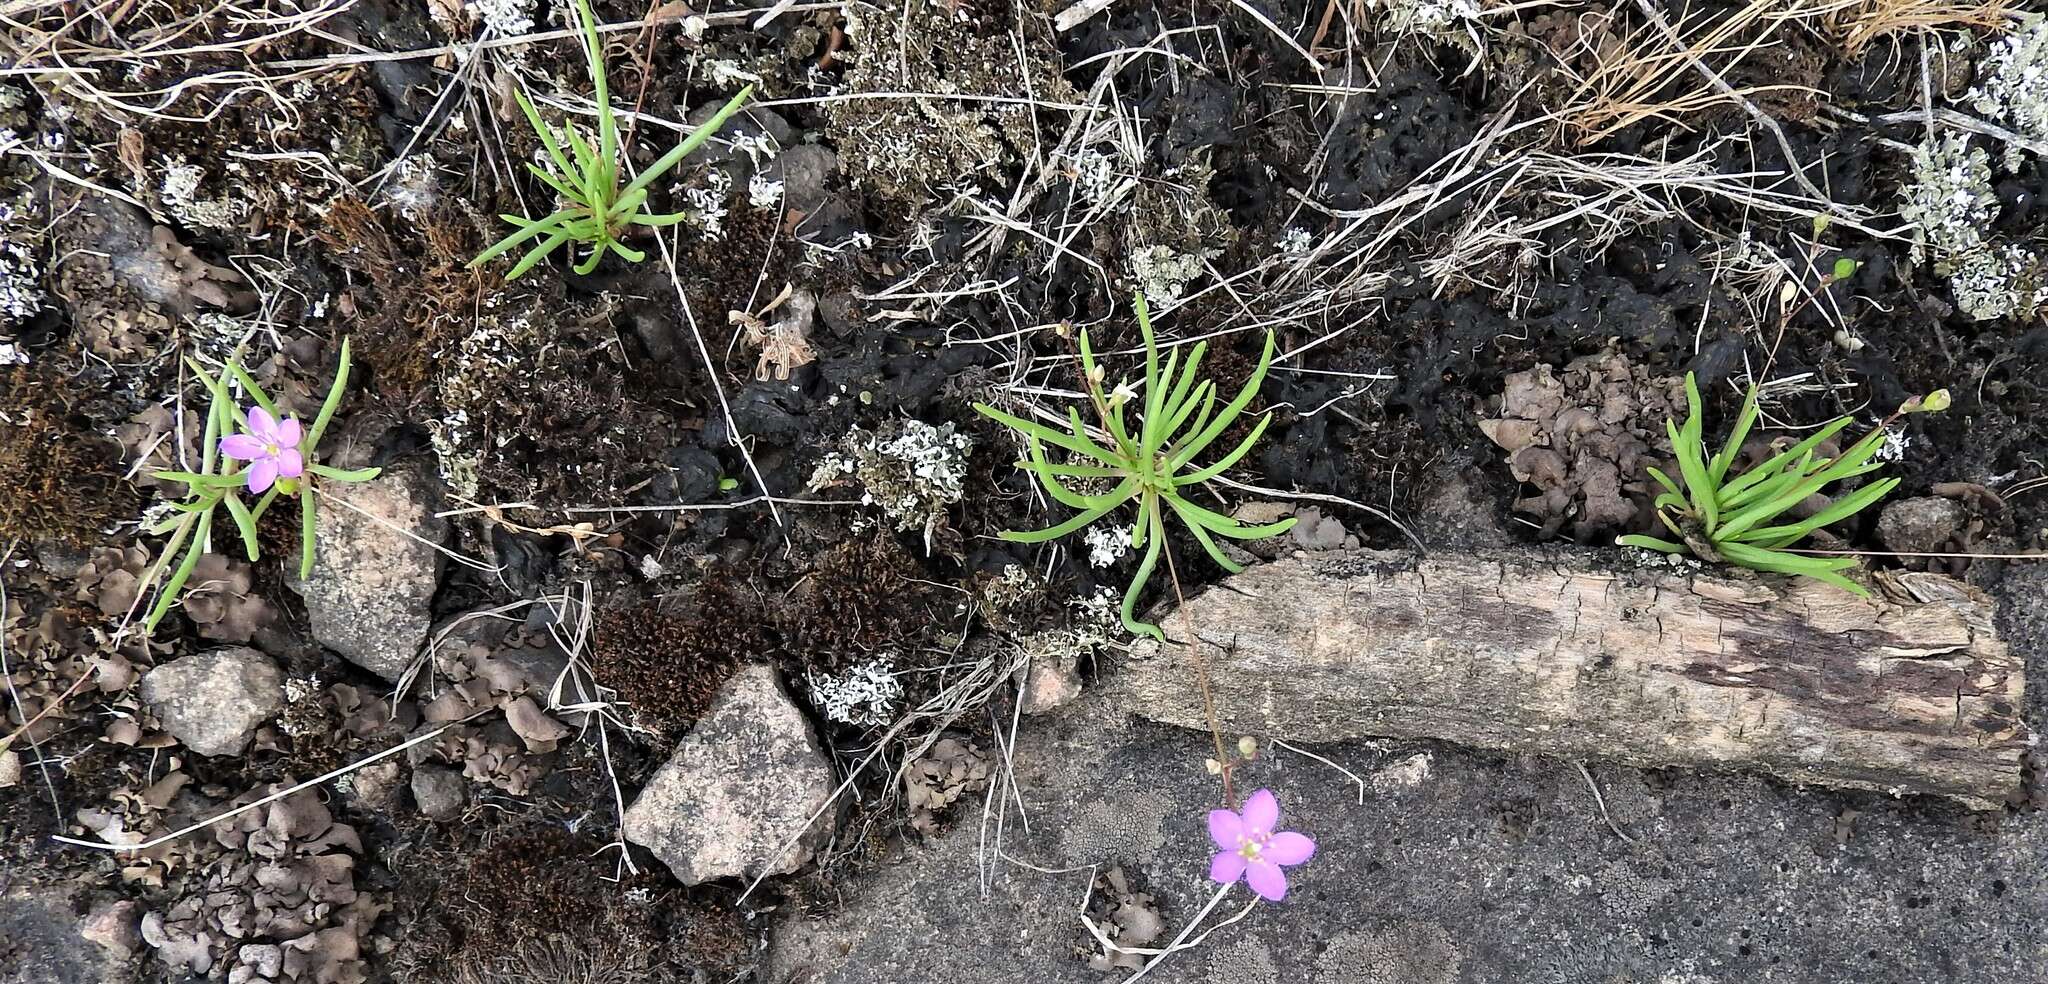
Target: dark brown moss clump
[(863, 596), (669, 666), (63, 481), (421, 297), (538, 901)]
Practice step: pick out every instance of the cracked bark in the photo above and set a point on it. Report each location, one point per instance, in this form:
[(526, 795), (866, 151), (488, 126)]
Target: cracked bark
[(1527, 651)]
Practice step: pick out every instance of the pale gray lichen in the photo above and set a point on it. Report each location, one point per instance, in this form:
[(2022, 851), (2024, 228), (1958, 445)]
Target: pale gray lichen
[(905, 149), (863, 695), (413, 186), (912, 469), (502, 18), (1107, 544), (1096, 176), (1999, 281), (763, 192), (180, 193), (2012, 85), (1163, 273), (1952, 204), (476, 372), (1093, 626), (1452, 21), (21, 293), (1950, 200), (1897, 439), (707, 204)]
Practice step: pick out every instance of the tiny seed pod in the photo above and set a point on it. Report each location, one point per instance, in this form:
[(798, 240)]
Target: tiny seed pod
[(1247, 747)]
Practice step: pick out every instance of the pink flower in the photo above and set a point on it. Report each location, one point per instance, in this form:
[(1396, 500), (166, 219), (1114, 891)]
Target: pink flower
[(1249, 847), (270, 447)]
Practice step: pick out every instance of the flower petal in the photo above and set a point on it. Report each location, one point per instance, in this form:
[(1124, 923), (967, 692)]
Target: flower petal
[(262, 473), (288, 432), (1267, 880), (1226, 867), (289, 463), (1288, 847), (1261, 814), (1226, 828), (241, 447), (263, 425)]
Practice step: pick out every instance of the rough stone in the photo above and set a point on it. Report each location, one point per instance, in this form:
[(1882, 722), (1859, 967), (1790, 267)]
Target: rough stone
[(1497, 868), (440, 792), (375, 787), (116, 926), (1049, 683), (40, 942), (371, 594), (1923, 525), (746, 780), (213, 701)]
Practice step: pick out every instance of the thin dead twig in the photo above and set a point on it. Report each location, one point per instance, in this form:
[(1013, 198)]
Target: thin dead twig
[(1762, 118), (1601, 802)]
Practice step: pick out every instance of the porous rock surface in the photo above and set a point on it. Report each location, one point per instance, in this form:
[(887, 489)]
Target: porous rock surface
[(213, 701), (744, 782), (42, 941), (1481, 869), (371, 594)]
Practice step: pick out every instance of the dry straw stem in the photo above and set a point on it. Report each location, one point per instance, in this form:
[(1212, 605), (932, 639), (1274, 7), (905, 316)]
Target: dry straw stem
[(1856, 23), (1635, 80)]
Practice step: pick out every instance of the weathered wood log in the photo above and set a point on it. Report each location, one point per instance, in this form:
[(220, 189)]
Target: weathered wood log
[(1909, 692)]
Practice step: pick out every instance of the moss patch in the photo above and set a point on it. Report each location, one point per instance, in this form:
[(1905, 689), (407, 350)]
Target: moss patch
[(63, 481)]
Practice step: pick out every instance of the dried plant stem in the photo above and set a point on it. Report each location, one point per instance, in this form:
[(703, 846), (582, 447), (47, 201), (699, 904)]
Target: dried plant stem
[(1180, 942), (1762, 118), (1201, 667)]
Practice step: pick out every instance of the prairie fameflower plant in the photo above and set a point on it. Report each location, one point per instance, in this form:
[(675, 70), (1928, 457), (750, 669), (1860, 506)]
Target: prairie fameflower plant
[(282, 460), (1152, 463), (1249, 846), (595, 211), (1718, 517)]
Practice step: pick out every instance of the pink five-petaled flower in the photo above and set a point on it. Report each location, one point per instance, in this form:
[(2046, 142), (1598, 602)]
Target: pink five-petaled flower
[(1249, 847), (269, 446)]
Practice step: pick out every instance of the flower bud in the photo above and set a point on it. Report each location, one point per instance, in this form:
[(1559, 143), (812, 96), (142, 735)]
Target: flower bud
[(1934, 402), (1247, 747)]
